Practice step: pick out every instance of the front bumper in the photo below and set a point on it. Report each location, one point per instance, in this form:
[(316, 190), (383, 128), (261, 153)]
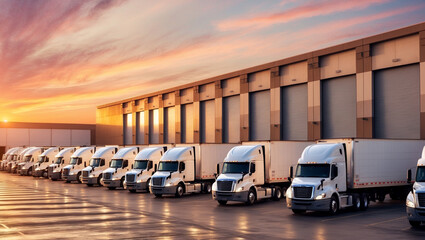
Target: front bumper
[(40, 173), (230, 196), (24, 172), (314, 205), (89, 180), (111, 183), (415, 214), (56, 175), (73, 177), (136, 186), (163, 190)]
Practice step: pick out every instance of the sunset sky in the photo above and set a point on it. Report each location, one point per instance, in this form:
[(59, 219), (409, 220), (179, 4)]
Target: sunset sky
[(62, 58)]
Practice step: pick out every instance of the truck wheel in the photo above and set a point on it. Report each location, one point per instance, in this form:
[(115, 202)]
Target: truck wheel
[(381, 197), (333, 206), (415, 224), (207, 188), (132, 190), (79, 178), (298, 211), (122, 182), (29, 171), (111, 188), (277, 194), (364, 200), (158, 195), (222, 202), (44, 174), (98, 180), (356, 202), (251, 197), (179, 190)]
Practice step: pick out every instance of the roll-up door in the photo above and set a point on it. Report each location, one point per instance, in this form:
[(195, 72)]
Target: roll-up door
[(128, 129), (259, 115), (140, 127), (207, 121), (187, 123), (169, 125), (396, 103), (231, 119), (154, 126), (339, 107), (294, 112)]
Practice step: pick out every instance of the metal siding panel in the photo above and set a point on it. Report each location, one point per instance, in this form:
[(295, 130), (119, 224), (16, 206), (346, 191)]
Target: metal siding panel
[(81, 137), (187, 123), (61, 137), (339, 107), (259, 115), (231, 119), (294, 112), (396, 103), (154, 126), (294, 73), (3, 136), (207, 122), (40, 137), (231, 86), (140, 125), (170, 125), (259, 81), (18, 137)]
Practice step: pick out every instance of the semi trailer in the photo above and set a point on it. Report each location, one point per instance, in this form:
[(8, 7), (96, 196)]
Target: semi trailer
[(43, 162), (342, 173), (144, 166), (26, 167), (188, 169), (415, 201), (79, 160), (98, 163), (113, 177), (257, 170), (62, 159)]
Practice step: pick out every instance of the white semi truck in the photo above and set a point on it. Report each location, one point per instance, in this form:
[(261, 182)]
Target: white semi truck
[(113, 177), (12, 166), (257, 170), (62, 159), (27, 166), (340, 173), (415, 201), (79, 160), (145, 165), (100, 160), (9, 156), (44, 161), (188, 169)]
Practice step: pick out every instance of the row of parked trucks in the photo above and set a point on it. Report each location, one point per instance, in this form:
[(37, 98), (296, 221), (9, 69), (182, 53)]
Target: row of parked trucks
[(326, 175)]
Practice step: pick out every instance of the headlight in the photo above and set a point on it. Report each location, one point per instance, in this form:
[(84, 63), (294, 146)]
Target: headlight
[(410, 203), (321, 196), (115, 179), (92, 175), (169, 184), (289, 193), (240, 189)]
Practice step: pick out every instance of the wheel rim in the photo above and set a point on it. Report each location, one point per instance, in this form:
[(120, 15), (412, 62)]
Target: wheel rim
[(278, 194), (334, 206), (358, 203), (251, 197), (365, 202), (180, 190), (208, 188)]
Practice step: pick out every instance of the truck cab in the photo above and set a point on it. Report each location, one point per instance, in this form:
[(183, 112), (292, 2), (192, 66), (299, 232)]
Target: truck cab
[(79, 160), (113, 177), (12, 166), (27, 166), (98, 163), (43, 162), (415, 201), (62, 159), (145, 165)]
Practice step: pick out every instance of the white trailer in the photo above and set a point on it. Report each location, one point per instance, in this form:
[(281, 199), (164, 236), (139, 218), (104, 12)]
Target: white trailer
[(113, 177), (79, 160), (100, 160), (339, 173), (44, 161), (62, 159), (415, 201), (188, 168), (257, 170), (27, 166)]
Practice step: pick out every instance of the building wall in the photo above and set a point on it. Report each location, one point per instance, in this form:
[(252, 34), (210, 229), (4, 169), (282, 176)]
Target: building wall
[(350, 90)]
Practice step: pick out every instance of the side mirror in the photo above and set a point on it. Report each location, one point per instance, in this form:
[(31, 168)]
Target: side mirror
[(63, 161), (252, 170), (154, 168), (218, 169), (85, 164), (291, 172), (150, 165), (125, 164), (334, 172), (131, 166), (110, 164), (181, 166), (409, 176)]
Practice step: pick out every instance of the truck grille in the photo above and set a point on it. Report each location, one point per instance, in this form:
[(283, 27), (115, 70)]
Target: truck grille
[(85, 174), (224, 186), (65, 172), (157, 181), (107, 176), (303, 192), (130, 177), (421, 199)]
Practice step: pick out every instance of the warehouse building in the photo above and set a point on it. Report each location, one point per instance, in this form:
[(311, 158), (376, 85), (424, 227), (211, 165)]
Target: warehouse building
[(368, 88)]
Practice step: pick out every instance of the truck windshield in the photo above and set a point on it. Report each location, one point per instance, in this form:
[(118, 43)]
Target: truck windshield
[(116, 163), (420, 174), (168, 166), (27, 158), (236, 167), (59, 160), (74, 161), (42, 159), (140, 164), (95, 162), (313, 170)]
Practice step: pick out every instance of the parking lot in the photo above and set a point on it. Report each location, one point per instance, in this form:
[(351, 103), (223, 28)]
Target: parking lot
[(41, 209)]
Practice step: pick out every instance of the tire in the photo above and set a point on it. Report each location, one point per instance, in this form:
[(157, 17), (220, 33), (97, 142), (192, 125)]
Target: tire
[(179, 190), (356, 202), (415, 224), (122, 182), (381, 197), (277, 194), (29, 171), (333, 205), (111, 188), (298, 211), (79, 177), (98, 180), (364, 200), (158, 195), (207, 188), (132, 190), (222, 202), (252, 197)]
